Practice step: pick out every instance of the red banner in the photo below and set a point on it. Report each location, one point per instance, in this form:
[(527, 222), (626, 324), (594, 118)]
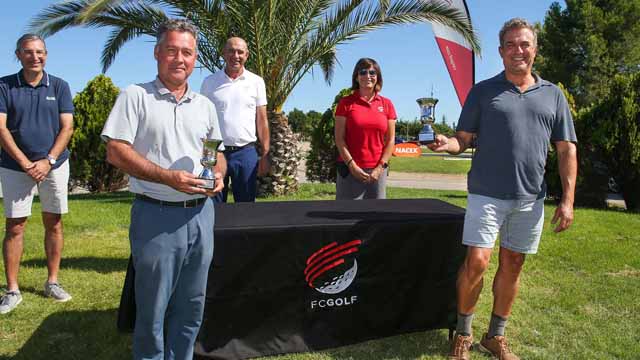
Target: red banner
[(457, 54)]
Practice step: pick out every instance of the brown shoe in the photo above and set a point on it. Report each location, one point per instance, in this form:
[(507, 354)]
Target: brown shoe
[(497, 346), (460, 347)]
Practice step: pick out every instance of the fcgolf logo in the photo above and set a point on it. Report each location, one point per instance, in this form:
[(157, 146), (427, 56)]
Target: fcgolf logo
[(331, 270)]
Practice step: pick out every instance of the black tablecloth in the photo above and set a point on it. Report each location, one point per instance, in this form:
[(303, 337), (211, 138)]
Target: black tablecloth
[(308, 275)]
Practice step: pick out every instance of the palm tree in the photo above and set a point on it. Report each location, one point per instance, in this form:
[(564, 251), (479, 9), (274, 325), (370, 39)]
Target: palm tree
[(286, 38)]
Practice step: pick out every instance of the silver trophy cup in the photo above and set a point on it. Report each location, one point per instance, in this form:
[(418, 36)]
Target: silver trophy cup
[(427, 117), (209, 160)]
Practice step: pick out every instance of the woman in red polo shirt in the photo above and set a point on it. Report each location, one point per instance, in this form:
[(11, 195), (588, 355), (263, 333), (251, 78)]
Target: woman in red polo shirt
[(365, 129)]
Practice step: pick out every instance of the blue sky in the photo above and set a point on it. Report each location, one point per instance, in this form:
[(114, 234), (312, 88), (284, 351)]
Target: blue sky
[(408, 55)]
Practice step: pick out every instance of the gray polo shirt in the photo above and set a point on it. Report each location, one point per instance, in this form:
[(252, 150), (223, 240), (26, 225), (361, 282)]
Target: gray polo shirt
[(514, 130), (163, 130)]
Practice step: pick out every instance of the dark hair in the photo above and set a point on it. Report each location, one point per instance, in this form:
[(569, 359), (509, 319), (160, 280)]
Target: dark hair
[(517, 23), (176, 25), (29, 37), (366, 63)]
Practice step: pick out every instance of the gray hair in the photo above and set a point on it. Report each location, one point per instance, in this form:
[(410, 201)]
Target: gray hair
[(176, 25), (518, 23), (29, 37)]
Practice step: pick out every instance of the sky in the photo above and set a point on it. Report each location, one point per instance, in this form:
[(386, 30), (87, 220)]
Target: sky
[(408, 56)]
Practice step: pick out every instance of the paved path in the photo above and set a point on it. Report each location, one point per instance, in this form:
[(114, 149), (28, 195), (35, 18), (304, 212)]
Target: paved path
[(406, 180), (415, 180), (427, 181)]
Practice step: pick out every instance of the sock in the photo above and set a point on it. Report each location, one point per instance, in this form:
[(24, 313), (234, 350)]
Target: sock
[(496, 326), (464, 324)]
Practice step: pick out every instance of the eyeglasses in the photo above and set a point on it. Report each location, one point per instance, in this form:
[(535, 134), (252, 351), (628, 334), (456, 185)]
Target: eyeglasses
[(364, 72)]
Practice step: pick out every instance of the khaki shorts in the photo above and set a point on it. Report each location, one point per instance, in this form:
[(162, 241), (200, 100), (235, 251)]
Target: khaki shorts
[(18, 190)]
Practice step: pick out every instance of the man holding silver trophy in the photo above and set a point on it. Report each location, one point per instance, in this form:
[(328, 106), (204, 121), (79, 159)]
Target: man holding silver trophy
[(512, 118), (163, 135)]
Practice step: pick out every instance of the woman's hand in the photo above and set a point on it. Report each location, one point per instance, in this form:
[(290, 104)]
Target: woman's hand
[(375, 174), (358, 173)]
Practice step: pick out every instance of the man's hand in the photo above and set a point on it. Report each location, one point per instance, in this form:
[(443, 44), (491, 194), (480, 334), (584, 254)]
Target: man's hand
[(219, 185), (38, 170), (440, 144), (264, 165), (185, 182), (564, 213)]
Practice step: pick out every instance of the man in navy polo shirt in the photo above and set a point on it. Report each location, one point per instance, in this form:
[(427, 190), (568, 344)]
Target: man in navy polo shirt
[(512, 118), (36, 123)]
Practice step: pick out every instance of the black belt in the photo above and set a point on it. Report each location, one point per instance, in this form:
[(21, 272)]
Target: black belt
[(183, 204), (229, 148)]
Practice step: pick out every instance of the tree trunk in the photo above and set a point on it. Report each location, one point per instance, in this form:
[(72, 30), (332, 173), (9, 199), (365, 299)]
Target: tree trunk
[(285, 156)]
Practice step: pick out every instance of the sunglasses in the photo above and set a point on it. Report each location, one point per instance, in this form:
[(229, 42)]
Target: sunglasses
[(364, 72)]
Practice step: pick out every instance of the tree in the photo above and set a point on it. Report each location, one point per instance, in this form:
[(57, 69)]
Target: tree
[(408, 130), (614, 125), (298, 121), (313, 117), (443, 129), (592, 179), (286, 39), (584, 45), (89, 167), (321, 159)]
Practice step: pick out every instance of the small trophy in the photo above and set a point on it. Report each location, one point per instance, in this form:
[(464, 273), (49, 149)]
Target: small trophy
[(427, 117), (209, 160)]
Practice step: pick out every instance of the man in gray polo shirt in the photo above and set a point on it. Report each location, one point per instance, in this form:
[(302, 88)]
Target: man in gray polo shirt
[(512, 117), (154, 134)]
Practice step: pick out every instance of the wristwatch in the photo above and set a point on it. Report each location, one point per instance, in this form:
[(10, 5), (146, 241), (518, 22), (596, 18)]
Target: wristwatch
[(52, 160), (384, 164)]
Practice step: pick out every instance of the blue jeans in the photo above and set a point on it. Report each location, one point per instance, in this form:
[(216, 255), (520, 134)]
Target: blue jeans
[(242, 169), (172, 249)]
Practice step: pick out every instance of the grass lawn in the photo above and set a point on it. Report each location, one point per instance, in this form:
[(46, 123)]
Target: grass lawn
[(578, 297), (430, 164)]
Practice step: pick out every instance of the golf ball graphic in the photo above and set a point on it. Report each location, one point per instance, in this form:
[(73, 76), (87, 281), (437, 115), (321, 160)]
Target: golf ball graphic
[(339, 283), (332, 268)]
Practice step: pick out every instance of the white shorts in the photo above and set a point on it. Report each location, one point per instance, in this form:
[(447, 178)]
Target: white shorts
[(519, 223), (18, 190)]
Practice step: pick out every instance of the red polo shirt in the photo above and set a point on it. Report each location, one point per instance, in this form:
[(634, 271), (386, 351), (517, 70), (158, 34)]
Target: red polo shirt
[(366, 126)]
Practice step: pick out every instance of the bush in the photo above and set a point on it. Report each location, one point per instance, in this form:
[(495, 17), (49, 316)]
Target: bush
[(591, 183), (89, 167), (321, 160), (608, 147), (614, 123)]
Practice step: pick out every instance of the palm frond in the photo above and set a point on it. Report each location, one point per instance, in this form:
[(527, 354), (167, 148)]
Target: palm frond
[(95, 7), (286, 38)]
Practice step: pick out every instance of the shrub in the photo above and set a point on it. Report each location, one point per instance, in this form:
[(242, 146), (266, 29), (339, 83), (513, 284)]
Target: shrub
[(614, 122), (591, 183), (89, 167), (321, 160)]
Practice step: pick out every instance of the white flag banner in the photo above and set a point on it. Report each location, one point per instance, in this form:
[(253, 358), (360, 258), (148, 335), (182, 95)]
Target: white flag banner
[(457, 53)]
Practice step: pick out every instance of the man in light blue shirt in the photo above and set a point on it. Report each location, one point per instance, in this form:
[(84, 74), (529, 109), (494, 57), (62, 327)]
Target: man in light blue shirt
[(154, 134)]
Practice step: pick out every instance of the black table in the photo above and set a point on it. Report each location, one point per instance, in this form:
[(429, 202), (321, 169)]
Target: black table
[(309, 275)]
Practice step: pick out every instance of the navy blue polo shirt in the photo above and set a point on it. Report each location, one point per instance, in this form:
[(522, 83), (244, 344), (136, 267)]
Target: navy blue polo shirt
[(33, 115)]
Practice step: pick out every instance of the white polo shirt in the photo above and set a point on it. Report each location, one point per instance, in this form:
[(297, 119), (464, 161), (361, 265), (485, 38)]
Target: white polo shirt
[(236, 102), (164, 131)]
